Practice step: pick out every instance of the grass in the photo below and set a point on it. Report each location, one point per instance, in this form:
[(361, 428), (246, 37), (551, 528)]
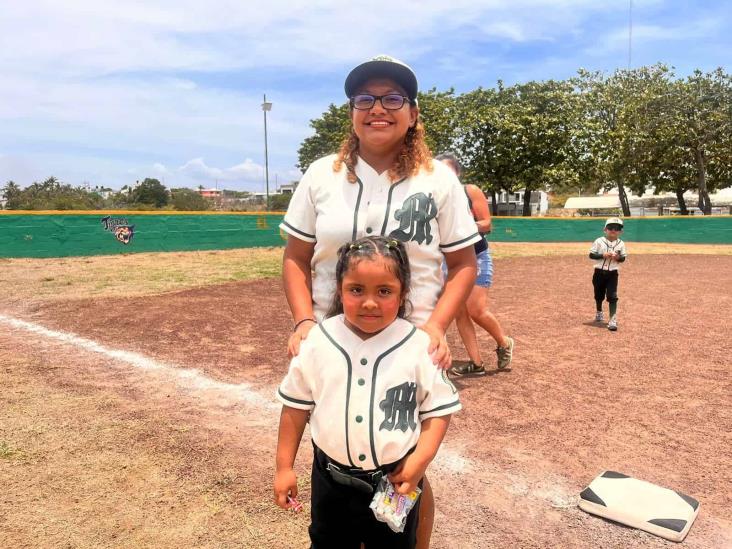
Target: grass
[(155, 273), (8, 452), (133, 274)]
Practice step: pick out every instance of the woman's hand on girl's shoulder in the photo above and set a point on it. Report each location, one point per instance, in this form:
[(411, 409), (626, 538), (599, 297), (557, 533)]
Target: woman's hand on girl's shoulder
[(301, 333), (439, 350)]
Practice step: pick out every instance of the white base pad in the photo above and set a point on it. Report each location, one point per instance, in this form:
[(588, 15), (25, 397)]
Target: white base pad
[(640, 504)]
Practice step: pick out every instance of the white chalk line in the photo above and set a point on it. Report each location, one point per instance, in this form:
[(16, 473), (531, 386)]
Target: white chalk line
[(187, 378), (447, 459)]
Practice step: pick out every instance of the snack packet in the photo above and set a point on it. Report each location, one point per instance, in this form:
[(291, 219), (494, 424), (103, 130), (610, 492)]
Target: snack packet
[(392, 508)]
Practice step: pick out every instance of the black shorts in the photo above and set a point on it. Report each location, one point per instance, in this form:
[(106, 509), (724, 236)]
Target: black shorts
[(605, 283), (341, 517)]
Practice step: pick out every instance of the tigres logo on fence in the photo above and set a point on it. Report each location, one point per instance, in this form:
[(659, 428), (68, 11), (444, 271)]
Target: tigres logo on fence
[(119, 227)]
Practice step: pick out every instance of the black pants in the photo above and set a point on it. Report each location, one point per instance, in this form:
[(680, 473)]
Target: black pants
[(605, 283), (341, 517)]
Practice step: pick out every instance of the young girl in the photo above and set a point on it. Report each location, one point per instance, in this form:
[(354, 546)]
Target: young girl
[(376, 403)]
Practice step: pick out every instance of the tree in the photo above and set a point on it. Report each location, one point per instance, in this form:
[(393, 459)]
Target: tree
[(702, 120), (188, 200), (539, 113), (330, 131), (11, 193), (151, 192), (279, 202), (440, 116), (51, 195), (485, 144)]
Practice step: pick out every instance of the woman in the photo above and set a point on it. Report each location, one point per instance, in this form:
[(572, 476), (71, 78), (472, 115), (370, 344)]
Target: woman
[(382, 181), (476, 307)]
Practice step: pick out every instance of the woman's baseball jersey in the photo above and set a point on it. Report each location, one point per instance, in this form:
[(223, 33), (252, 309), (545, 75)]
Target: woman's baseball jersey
[(428, 213), (601, 246), (367, 397)]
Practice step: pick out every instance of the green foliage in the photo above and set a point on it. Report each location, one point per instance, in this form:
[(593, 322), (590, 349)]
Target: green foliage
[(50, 195), (150, 192), (634, 129), (279, 202), (188, 200), (441, 119), (330, 131)]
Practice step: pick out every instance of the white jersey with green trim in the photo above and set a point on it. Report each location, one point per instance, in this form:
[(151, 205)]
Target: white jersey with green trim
[(601, 246), (428, 212), (367, 397)]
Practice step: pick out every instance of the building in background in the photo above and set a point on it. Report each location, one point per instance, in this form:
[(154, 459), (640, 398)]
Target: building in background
[(513, 203)]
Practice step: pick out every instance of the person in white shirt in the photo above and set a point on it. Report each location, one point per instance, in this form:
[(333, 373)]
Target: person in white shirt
[(383, 181), (608, 252), (376, 404)]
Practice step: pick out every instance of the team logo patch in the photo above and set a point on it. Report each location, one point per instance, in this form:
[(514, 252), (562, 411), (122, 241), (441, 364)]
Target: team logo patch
[(119, 227), (414, 219), (399, 407)]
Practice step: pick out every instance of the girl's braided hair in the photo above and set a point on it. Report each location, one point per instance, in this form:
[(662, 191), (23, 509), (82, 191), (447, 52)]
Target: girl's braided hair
[(369, 248)]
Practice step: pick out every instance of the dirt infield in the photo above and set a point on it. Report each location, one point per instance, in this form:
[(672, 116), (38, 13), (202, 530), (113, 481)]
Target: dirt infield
[(100, 450)]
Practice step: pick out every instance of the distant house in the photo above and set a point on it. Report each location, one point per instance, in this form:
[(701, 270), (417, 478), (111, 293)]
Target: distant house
[(210, 193), (288, 188), (513, 203)]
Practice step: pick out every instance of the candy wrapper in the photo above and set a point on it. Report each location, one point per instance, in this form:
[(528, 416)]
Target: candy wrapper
[(393, 508)]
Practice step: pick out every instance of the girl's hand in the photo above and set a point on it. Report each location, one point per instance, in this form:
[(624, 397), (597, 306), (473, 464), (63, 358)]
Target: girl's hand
[(293, 344), (285, 484), (407, 475), (438, 349)]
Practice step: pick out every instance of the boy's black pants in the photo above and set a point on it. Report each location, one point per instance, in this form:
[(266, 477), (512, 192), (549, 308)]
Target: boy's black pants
[(605, 283)]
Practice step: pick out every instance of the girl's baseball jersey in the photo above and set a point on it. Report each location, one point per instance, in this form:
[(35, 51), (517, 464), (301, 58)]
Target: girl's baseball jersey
[(428, 213), (367, 397), (603, 245)]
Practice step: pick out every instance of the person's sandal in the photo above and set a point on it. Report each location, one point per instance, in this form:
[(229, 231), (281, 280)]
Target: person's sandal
[(469, 369), (505, 354)]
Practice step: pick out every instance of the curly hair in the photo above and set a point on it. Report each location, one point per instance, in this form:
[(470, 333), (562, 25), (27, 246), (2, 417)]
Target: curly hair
[(413, 156)]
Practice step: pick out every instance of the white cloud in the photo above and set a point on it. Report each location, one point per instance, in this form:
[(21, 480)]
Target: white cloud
[(101, 90), (246, 171)]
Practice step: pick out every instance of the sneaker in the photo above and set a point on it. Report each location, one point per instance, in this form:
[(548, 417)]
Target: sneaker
[(613, 324), (505, 354), (599, 316), (469, 369)]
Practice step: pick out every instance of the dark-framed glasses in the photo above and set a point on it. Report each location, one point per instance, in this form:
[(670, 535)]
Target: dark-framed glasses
[(390, 101)]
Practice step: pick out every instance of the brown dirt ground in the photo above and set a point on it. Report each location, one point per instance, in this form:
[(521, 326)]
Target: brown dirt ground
[(95, 453)]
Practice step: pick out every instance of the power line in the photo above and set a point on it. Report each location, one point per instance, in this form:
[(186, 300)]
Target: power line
[(630, 32)]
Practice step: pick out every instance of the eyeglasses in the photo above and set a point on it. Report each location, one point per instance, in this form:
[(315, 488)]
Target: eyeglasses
[(614, 228), (391, 101)]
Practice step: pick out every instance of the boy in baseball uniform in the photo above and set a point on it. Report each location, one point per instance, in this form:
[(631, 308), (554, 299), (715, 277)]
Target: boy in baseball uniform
[(376, 404), (608, 252)]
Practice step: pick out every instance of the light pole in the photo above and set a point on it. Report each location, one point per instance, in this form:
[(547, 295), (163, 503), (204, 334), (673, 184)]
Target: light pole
[(266, 106)]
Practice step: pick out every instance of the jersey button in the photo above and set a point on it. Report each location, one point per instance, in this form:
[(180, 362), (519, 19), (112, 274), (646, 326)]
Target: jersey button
[(362, 381), (361, 457), (359, 419), (364, 361), (369, 230)]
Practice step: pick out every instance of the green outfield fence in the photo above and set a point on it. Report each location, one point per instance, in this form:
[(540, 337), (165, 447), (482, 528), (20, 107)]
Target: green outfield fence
[(74, 233)]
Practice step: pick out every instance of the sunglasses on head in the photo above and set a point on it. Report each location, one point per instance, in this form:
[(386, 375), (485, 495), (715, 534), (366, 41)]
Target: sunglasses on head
[(390, 101)]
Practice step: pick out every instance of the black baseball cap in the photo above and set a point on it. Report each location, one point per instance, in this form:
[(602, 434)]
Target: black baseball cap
[(382, 66)]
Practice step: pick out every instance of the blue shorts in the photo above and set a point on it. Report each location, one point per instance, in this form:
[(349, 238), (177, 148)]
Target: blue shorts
[(485, 269), (484, 262)]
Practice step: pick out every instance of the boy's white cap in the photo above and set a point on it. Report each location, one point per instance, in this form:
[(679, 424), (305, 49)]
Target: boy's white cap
[(614, 221)]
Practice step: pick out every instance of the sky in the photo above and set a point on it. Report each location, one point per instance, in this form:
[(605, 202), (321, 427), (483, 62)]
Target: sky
[(107, 93)]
